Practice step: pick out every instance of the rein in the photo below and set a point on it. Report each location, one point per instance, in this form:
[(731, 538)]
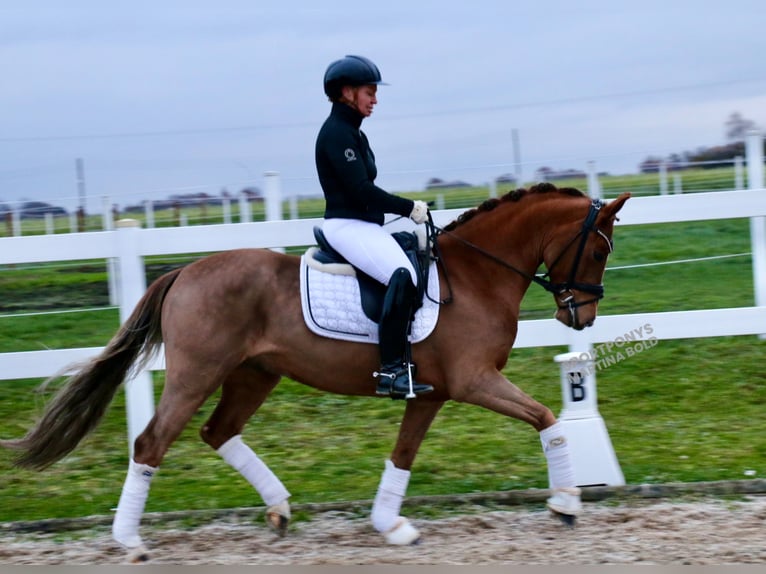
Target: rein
[(543, 280)]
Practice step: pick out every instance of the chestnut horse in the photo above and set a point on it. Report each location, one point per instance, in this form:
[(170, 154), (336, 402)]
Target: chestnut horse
[(234, 320)]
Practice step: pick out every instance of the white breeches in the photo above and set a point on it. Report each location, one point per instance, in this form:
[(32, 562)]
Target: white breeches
[(367, 246)]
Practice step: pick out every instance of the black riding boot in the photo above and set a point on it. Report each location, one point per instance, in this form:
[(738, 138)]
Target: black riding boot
[(396, 370)]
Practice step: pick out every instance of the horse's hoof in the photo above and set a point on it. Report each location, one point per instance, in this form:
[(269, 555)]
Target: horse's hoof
[(278, 517), (138, 555), (568, 520), (403, 534)]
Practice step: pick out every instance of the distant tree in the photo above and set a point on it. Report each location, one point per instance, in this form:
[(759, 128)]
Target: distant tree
[(738, 126), (544, 173), (720, 153), (651, 164), (38, 209), (506, 178)]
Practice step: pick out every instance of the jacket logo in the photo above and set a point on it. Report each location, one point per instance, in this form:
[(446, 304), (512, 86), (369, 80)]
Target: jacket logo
[(350, 154)]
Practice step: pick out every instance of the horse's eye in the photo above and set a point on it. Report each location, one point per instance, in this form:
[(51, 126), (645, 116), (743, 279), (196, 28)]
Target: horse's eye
[(599, 256)]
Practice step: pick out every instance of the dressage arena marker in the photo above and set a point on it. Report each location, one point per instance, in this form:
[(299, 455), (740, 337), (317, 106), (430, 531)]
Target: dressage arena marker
[(593, 457)]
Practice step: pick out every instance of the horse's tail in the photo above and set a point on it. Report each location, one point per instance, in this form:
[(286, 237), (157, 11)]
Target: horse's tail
[(77, 408)]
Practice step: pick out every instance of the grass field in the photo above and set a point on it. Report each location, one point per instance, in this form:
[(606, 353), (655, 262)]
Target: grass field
[(686, 410)]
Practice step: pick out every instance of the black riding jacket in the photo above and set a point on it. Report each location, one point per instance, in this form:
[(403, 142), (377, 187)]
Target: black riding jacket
[(346, 168)]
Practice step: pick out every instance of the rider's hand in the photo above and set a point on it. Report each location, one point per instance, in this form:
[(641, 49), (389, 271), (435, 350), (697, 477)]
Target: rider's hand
[(419, 212)]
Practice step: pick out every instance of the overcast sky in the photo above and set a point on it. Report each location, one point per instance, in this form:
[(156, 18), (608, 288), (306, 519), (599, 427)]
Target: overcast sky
[(163, 97)]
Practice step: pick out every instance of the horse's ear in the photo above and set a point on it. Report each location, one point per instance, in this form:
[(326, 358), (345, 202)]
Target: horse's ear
[(610, 209)]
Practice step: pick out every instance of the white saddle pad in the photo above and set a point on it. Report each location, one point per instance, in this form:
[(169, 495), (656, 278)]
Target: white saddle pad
[(332, 304)]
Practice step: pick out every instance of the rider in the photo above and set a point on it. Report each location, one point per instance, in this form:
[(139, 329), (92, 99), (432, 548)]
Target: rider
[(355, 209)]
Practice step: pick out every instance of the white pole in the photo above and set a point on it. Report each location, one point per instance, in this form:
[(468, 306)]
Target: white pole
[(16, 220), (245, 215), (49, 224), (755, 180), (149, 211), (107, 220), (663, 178), (293, 203), (226, 207), (677, 183), (272, 196), (139, 394), (492, 188), (516, 156), (739, 178), (594, 188)]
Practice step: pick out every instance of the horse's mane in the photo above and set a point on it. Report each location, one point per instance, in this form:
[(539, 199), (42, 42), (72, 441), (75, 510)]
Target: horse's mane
[(512, 196)]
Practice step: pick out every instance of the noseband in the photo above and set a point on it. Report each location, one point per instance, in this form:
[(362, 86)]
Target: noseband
[(562, 291)]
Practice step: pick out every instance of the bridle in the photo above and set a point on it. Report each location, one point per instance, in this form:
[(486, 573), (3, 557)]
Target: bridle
[(562, 291)]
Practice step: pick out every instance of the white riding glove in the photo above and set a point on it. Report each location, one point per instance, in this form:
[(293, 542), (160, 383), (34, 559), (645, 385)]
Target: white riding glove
[(419, 212)]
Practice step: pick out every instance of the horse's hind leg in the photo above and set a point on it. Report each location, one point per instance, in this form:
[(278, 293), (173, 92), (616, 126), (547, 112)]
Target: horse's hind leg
[(182, 396), (244, 391), (418, 416)]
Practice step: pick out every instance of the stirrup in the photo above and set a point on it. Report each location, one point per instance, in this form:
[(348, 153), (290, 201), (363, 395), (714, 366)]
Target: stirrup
[(397, 382)]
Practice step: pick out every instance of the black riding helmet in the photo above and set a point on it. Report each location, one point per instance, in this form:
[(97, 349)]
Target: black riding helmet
[(350, 71)]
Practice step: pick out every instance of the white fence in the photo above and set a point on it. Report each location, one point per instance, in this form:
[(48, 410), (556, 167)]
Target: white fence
[(128, 244)]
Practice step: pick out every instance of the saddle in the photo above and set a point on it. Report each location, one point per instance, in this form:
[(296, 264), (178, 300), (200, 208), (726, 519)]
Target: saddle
[(371, 290)]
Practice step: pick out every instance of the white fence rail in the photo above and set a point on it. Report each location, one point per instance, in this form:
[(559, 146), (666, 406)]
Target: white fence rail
[(128, 244)]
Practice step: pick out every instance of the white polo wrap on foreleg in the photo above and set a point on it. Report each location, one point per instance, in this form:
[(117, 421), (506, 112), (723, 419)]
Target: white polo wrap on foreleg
[(565, 497), (242, 458), (556, 449), (131, 506), (388, 500)]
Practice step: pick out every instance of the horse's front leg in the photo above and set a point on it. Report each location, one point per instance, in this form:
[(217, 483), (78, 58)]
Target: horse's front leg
[(493, 391), (418, 416)]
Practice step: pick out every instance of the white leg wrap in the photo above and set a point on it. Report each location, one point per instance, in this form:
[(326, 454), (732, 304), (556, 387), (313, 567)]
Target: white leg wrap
[(131, 506), (556, 449), (388, 500), (566, 495), (241, 457)]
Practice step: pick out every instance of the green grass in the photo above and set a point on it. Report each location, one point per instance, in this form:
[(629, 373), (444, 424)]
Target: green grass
[(685, 410)]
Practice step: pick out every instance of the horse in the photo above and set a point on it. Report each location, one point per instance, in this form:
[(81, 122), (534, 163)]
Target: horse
[(233, 320)]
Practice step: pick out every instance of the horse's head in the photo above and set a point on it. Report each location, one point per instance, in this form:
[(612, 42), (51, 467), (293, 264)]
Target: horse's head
[(576, 258)]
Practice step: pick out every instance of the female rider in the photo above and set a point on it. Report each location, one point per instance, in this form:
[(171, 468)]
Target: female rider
[(354, 213)]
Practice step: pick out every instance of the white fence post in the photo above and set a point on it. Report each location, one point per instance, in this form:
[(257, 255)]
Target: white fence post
[(149, 213), (592, 453), (755, 180), (663, 174), (49, 228), (678, 186), (273, 200), (111, 264), (16, 221), (594, 187), (226, 207), (139, 392), (272, 196), (739, 177), (245, 214)]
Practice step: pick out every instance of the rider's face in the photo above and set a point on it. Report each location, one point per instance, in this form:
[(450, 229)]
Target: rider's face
[(362, 98)]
